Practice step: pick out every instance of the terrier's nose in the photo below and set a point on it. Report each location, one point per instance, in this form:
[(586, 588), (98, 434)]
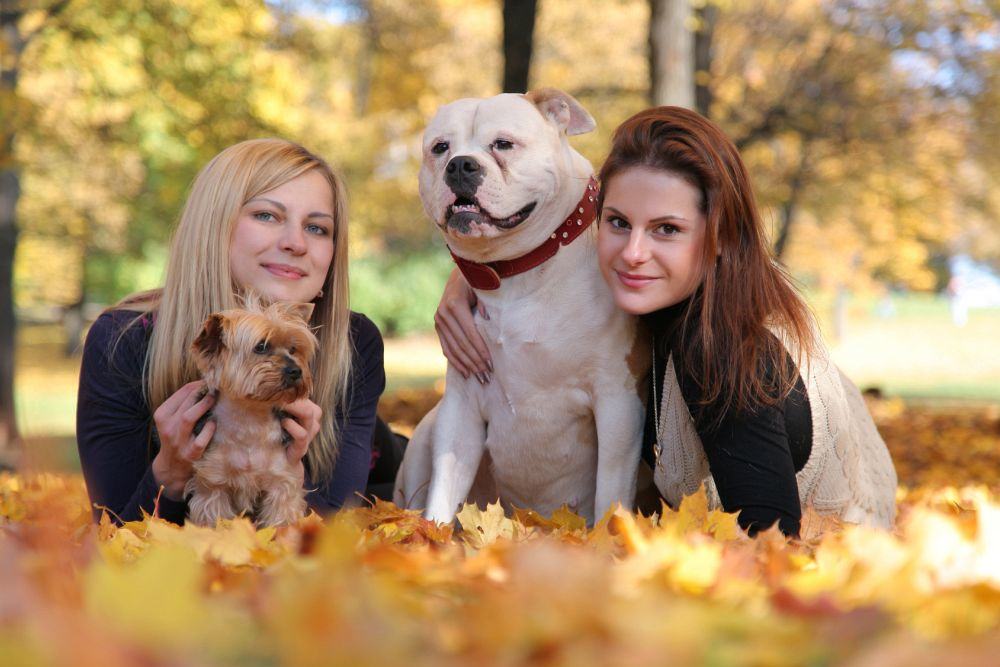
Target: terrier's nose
[(292, 373)]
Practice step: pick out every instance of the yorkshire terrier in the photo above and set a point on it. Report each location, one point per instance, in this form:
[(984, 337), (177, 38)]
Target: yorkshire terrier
[(254, 361)]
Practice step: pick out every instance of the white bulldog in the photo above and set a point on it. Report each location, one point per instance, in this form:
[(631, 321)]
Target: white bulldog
[(562, 419)]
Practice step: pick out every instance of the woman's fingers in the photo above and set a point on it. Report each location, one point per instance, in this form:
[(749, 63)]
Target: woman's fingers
[(302, 409), (300, 439), (196, 411), (199, 443), (467, 343), (183, 398), (475, 345), (458, 356)]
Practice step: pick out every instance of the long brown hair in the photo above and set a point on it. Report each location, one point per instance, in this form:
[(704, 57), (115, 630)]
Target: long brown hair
[(746, 312), (198, 280)]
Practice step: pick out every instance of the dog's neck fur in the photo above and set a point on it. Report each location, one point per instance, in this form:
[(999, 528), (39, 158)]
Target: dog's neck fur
[(238, 419)]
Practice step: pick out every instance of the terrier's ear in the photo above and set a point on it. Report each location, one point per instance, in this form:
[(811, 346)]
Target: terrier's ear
[(562, 109), (301, 310), (208, 344)]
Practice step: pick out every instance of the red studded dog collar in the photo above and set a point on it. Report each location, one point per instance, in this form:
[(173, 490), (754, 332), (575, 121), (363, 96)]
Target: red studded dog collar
[(486, 276)]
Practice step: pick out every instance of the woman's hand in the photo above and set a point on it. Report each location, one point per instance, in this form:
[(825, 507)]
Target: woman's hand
[(180, 447), (302, 423), (461, 342)]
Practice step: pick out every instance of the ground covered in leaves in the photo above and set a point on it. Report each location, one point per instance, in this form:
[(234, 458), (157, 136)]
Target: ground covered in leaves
[(382, 586)]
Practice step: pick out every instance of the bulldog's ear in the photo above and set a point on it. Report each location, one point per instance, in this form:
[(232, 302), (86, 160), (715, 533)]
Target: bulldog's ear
[(562, 109), (209, 344), (303, 311)]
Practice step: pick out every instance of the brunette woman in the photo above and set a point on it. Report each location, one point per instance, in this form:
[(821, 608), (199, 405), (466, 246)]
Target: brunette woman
[(744, 397)]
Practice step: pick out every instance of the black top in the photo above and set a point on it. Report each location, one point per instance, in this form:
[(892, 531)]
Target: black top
[(753, 456), (116, 435)]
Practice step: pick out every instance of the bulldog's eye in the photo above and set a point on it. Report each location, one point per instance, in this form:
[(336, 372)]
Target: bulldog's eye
[(503, 145), (262, 347), (440, 148)]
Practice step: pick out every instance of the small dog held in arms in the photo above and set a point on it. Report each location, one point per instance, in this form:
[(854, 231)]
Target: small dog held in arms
[(561, 421), (254, 360)]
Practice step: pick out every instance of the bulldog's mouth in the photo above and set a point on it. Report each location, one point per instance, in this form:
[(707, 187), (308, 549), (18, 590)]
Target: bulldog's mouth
[(465, 212)]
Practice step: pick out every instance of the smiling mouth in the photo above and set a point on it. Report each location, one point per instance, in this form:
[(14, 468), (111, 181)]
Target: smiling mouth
[(634, 280), (465, 212), (285, 271)]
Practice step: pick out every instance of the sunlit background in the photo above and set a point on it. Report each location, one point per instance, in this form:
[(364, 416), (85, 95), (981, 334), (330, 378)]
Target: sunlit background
[(870, 128)]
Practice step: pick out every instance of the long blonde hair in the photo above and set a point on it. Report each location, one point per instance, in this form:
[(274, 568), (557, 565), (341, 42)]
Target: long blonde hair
[(199, 282)]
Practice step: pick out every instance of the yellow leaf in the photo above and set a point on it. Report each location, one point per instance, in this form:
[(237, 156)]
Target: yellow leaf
[(480, 529)]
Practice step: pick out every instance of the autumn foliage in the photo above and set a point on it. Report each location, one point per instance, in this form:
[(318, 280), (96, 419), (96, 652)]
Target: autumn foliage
[(381, 586)]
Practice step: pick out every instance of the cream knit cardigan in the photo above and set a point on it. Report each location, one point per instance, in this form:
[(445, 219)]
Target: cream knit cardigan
[(848, 474)]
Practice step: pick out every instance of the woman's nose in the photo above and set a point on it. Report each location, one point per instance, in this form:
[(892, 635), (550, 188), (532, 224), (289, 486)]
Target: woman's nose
[(293, 238), (636, 251)]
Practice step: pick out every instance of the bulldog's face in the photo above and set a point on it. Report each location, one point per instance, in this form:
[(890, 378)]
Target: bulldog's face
[(491, 167)]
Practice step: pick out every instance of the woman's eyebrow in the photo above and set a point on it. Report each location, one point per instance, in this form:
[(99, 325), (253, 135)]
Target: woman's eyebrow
[(276, 204), (670, 217), (284, 209)]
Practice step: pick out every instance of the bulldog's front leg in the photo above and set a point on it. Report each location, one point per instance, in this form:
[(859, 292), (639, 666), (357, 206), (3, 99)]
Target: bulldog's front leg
[(619, 419), (457, 449)]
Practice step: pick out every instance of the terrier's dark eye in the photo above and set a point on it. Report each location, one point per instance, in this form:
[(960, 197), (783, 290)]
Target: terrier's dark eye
[(291, 350), (262, 347), (503, 145), (439, 148)]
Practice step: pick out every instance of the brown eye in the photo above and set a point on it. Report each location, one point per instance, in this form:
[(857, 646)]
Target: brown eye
[(291, 350), (262, 347)]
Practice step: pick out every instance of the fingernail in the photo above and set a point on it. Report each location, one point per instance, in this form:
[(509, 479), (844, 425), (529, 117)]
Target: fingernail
[(481, 377), (486, 315), (489, 365)]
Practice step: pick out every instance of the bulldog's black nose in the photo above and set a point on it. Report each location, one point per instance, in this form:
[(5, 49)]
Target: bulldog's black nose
[(463, 175), (291, 373)]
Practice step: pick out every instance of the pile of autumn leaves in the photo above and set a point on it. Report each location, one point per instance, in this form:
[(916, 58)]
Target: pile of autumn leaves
[(382, 586)]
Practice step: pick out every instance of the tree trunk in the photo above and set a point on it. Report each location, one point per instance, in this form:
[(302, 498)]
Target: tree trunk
[(671, 54), (366, 60), (9, 438), (707, 14), (790, 205), (10, 191), (518, 32)]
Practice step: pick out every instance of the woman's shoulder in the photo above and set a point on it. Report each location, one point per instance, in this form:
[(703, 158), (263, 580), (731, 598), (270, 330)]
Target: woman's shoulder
[(364, 332), (115, 322), (120, 333)]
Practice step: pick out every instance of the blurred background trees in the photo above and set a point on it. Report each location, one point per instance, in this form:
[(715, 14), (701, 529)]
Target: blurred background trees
[(870, 127)]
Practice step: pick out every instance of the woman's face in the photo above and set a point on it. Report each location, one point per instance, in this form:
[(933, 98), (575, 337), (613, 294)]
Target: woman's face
[(650, 239), (282, 244)]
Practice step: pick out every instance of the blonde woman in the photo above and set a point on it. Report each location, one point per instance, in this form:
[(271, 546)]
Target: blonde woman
[(266, 215)]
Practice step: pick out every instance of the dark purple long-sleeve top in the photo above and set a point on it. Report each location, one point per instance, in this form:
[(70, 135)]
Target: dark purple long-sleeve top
[(117, 440)]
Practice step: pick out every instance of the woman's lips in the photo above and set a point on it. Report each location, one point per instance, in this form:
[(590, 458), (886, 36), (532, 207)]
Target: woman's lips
[(285, 271), (633, 280)]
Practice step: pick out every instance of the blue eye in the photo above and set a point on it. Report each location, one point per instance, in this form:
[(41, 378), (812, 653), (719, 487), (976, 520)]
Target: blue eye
[(265, 216), (318, 230)]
